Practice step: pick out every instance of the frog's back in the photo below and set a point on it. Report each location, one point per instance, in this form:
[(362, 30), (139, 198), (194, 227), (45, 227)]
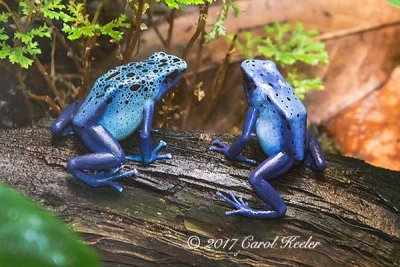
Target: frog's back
[(281, 125), (119, 95)]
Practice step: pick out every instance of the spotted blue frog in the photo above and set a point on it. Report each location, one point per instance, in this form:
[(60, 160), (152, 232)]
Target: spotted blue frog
[(120, 100), (278, 119)]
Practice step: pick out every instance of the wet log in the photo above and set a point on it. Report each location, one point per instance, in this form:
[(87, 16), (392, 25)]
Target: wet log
[(349, 215)]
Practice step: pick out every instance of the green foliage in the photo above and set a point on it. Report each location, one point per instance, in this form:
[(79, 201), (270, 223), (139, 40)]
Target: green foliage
[(24, 46), (394, 2), (175, 4), (218, 28), (30, 236), (26, 38), (287, 46), (76, 23)]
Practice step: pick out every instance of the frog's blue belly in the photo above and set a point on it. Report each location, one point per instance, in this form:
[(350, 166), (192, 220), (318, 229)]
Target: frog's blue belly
[(269, 135), (122, 124)]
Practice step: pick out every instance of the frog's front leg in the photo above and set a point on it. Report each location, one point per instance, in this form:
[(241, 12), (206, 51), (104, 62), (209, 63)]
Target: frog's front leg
[(108, 155), (235, 150), (269, 169), (62, 126), (148, 154), (314, 156)]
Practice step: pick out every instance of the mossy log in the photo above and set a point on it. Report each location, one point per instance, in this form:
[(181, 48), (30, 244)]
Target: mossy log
[(352, 209)]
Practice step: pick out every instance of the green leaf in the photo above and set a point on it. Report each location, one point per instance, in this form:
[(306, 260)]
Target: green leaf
[(26, 8), (3, 35), (4, 17), (30, 236), (301, 84), (76, 25), (42, 31), (218, 28), (287, 45), (18, 56), (111, 28), (394, 2), (175, 4), (52, 9)]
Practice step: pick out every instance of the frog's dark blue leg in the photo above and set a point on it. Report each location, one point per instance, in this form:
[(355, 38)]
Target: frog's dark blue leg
[(108, 155), (234, 151), (62, 126), (270, 168), (148, 154), (314, 157)]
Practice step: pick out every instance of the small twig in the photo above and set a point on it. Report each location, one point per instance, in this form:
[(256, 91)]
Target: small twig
[(171, 20), (52, 105), (90, 43), (155, 27), (49, 82), (52, 61), (38, 64), (193, 80), (65, 44), (63, 79), (12, 14), (220, 76), (133, 36), (201, 24), (355, 30)]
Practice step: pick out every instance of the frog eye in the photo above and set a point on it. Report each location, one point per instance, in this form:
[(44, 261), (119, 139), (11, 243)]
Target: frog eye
[(172, 76), (249, 83)]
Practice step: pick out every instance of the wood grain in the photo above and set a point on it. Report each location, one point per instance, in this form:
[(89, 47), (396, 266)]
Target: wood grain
[(352, 209)]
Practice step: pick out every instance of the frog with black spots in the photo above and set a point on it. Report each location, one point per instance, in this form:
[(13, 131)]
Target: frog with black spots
[(120, 101), (279, 121)]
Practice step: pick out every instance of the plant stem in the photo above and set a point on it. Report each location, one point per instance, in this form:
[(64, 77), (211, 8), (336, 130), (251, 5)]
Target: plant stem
[(90, 43), (53, 106), (64, 43), (155, 27), (12, 14), (134, 33), (220, 76), (193, 81), (171, 20), (49, 82), (38, 64), (201, 24), (52, 61)]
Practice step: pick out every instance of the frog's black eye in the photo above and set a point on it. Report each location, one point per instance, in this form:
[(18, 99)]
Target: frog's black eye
[(172, 76), (249, 84)]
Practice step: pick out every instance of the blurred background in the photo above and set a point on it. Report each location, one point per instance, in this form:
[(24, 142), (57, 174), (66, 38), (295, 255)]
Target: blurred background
[(343, 56)]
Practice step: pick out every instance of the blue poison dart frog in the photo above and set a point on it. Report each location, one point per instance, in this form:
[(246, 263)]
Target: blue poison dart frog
[(278, 119), (120, 100)]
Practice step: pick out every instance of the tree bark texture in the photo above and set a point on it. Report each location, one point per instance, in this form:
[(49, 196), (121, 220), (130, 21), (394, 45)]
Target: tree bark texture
[(352, 208)]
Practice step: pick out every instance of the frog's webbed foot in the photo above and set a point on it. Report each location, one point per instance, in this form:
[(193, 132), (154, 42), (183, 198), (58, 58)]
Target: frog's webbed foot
[(219, 146), (239, 204), (243, 208), (154, 155), (105, 178)]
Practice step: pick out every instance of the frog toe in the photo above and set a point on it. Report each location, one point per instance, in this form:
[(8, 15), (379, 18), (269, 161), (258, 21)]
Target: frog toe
[(161, 145), (105, 178), (164, 156), (245, 160)]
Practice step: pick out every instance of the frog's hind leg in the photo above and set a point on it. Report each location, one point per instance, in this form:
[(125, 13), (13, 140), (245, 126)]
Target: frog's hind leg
[(270, 168), (62, 126), (107, 155), (314, 157)]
